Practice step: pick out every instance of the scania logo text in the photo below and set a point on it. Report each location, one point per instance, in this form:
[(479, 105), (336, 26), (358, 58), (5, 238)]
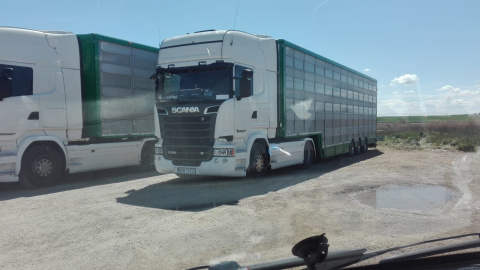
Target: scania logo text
[(185, 110)]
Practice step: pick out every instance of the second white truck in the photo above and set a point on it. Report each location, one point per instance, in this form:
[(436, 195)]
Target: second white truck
[(73, 103), (230, 103)]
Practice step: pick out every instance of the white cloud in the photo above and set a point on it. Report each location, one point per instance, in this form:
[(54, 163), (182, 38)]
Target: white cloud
[(407, 79), (449, 100), (409, 92), (366, 70), (446, 88)]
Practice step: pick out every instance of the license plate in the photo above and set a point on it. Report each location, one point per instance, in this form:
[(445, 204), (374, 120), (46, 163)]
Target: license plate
[(186, 170)]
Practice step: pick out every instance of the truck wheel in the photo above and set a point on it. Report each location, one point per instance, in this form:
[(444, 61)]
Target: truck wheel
[(258, 161), (308, 155), (352, 148), (42, 166), (147, 161)]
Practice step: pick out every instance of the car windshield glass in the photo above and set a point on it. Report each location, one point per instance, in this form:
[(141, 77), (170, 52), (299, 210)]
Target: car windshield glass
[(173, 134)]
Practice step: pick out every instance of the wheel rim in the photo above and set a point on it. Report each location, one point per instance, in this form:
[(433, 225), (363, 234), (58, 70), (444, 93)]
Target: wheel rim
[(43, 167), (259, 163)]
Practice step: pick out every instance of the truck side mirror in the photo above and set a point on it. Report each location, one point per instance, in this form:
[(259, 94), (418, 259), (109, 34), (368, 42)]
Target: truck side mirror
[(6, 83), (245, 84), (247, 73)]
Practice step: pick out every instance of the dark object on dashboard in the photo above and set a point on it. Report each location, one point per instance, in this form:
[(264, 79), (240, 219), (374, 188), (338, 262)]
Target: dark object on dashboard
[(312, 250)]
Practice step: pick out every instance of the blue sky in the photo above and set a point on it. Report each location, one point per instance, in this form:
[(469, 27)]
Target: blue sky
[(425, 54)]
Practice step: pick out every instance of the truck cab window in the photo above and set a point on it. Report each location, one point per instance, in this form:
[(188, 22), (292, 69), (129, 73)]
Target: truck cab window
[(212, 82), (243, 82), (15, 81)]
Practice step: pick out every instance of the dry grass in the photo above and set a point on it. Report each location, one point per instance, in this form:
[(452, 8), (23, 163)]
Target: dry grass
[(460, 135)]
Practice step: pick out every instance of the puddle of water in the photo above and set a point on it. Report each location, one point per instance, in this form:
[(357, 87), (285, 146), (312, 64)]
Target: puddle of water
[(417, 198)]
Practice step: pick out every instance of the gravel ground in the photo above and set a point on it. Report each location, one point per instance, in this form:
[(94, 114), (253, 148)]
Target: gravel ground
[(122, 219)]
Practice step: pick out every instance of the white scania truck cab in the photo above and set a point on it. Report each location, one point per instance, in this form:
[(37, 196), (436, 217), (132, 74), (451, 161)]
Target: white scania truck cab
[(72, 103), (229, 103)]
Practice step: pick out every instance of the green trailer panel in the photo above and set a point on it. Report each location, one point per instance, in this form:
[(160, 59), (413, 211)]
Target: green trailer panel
[(118, 97), (319, 96)]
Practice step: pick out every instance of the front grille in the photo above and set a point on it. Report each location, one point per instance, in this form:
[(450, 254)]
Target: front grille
[(181, 133), (192, 163), (187, 152), (187, 140)]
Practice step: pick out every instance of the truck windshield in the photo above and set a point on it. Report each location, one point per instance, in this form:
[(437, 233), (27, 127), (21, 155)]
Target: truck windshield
[(197, 83)]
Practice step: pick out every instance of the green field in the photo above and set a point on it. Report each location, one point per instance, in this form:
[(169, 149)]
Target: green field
[(461, 132), (424, 119)]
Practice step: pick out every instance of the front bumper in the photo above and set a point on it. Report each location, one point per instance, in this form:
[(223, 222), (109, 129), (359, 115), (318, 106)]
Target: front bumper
[(218, 166)]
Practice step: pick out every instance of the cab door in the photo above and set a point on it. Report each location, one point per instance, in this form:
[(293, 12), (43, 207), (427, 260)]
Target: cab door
[(245, 106), (18, 107)]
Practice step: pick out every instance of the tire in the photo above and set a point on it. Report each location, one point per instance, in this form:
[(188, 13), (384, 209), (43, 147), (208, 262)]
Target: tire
[(42, 166), (352, 148), (147, 161), (258, 161), (359, 146), (308, 155)]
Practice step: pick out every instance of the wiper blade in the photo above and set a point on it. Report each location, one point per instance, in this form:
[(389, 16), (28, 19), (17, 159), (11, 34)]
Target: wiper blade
[(334, 259), (433, 251), (344, 258), (459, 245)]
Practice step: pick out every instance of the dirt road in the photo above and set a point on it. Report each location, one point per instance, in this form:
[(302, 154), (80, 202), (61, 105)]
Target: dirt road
[(120, 219)]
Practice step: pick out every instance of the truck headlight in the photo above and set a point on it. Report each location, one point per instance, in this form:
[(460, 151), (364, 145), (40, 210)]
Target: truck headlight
[(223, 152), (158, 151)]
